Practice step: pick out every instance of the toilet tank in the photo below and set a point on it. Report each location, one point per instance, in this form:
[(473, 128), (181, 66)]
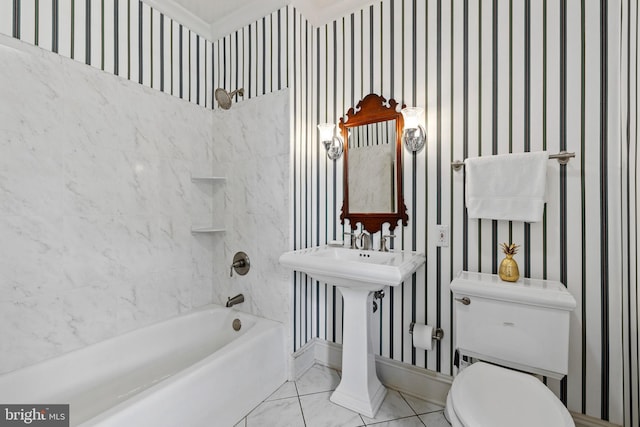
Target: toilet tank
[(522, 325)]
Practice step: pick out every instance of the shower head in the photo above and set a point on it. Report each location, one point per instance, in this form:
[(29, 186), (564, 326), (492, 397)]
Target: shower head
[(224, 98)]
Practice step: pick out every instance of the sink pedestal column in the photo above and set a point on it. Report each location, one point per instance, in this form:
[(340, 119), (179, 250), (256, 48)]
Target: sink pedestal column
[(360, 389)]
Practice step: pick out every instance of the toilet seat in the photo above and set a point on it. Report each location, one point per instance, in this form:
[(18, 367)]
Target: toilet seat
[(484, 395)]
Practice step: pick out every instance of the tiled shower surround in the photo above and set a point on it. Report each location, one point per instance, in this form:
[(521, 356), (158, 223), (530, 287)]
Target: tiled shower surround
[(251, 148), (97, 204)]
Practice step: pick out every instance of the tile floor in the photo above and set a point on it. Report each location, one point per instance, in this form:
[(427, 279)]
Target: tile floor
[(305, 403)]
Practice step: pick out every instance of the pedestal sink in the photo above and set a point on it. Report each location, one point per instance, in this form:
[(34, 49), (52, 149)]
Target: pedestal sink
[(357, 274)]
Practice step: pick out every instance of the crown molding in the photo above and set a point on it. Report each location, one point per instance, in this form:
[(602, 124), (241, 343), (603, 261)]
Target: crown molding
[(239, 18), (243, 16), (317, 13), (179, 14)]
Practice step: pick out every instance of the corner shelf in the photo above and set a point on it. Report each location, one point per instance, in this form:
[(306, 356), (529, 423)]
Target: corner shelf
[(208, 179), (207, 229), (197, 230)]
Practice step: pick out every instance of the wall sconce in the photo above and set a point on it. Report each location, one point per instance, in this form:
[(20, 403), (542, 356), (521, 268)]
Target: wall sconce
[(413, 136), (332, 143)]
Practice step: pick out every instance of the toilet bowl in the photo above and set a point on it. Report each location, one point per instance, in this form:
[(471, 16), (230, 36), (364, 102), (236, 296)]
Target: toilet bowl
[(520, 329), (484, 395)]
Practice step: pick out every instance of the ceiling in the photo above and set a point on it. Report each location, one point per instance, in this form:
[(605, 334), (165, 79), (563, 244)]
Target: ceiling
[(213, 19)]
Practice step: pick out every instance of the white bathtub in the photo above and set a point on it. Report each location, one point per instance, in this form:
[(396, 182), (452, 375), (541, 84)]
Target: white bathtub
[(192, 370)]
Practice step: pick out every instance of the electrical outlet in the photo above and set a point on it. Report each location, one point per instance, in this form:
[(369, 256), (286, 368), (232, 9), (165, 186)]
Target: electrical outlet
[(442, 235)]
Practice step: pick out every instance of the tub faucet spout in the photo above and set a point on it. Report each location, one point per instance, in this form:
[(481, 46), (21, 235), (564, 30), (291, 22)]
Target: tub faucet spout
[(231, 301)]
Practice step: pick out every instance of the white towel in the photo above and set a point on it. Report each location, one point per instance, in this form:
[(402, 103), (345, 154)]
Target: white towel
[(507, 186)]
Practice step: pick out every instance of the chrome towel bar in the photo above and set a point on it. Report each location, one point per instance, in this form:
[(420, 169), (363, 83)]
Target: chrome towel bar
[(563, 158)]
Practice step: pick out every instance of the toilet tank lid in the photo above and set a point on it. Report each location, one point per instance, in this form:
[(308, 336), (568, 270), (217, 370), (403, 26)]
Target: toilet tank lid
[(544, 293)]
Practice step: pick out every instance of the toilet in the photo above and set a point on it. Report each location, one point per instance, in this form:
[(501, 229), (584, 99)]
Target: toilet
[(511, 330)]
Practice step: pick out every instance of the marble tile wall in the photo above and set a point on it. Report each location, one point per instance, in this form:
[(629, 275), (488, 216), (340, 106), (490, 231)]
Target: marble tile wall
[(96, 205), (252, 149)]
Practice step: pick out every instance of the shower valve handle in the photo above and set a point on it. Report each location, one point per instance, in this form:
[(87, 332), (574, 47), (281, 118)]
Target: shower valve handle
[(237, 264), (240, 264)]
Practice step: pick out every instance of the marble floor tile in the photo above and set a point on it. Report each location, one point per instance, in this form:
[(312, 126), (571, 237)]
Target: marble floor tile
[(287, 389), (306, 403), (435, 419), (401, 422), (317, 379), (319, 411), (277, 413), (421, 406), (393, 407)]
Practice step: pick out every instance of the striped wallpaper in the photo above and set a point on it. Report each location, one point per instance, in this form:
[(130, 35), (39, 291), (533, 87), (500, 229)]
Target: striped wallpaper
[(494, 77), (629, 209)]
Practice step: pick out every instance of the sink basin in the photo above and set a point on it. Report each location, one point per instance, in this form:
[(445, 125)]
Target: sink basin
[(352, 268), (357, 274)]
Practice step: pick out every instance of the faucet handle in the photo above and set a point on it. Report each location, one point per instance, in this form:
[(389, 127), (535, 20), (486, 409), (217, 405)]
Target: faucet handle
[(383, 242), (352, 244)]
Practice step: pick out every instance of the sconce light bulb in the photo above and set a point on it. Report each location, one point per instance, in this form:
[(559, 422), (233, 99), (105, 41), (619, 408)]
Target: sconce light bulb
[(413, 135), (326, 131), (412, 116), (333, 144)]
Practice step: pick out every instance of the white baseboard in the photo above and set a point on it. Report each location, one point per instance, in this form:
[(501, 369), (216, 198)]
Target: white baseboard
[(302, 360), (583, 420), (421, 383), (418, 382)]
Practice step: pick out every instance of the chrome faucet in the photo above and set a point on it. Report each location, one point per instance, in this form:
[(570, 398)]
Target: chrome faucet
[(231, 301), (365, 241)]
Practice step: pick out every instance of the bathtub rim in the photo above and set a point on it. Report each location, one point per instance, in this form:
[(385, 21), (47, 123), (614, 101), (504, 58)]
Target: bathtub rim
[(14, 379)]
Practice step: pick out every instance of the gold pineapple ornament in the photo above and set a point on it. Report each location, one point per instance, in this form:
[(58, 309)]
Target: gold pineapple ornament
[(508, 270)]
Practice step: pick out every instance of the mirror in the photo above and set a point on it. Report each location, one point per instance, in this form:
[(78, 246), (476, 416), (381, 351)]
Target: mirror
[(373, 164), (372, 148)]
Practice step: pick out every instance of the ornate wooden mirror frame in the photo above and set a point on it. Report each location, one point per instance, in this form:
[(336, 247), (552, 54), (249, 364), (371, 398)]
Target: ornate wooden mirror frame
[(374, 109)]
